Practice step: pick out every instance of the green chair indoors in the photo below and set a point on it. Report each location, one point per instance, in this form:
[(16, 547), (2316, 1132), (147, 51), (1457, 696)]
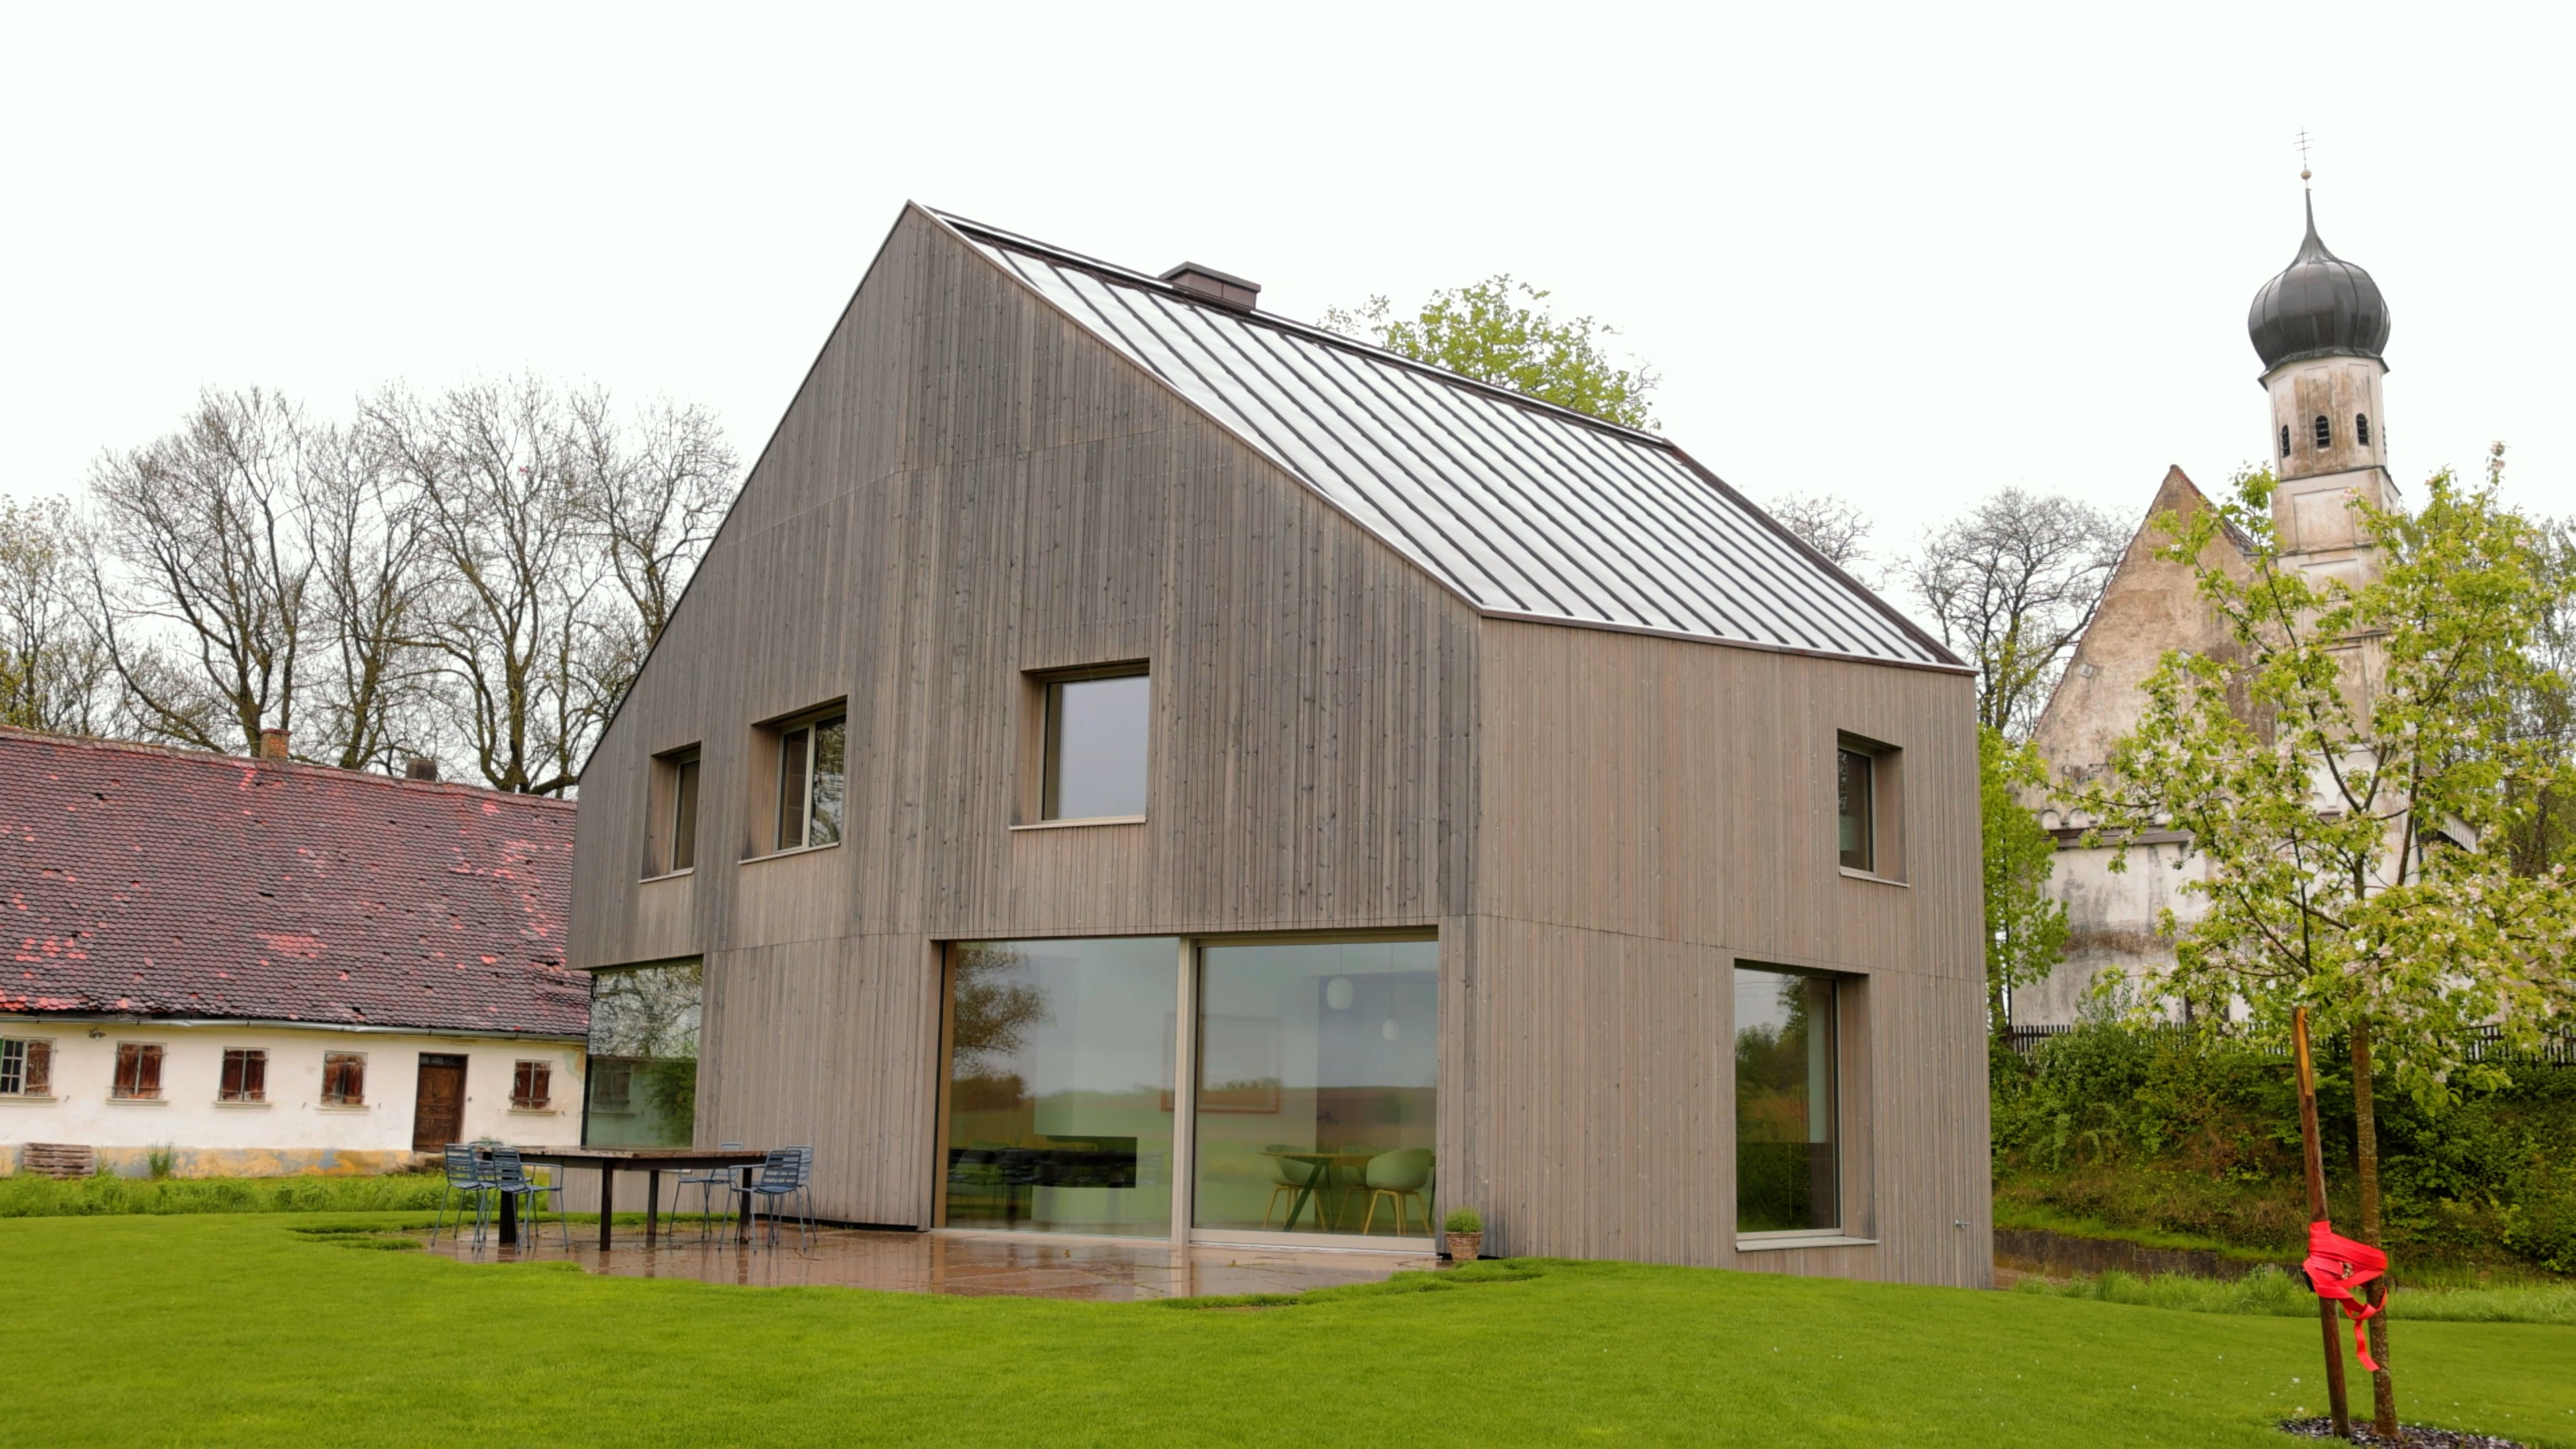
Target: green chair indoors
[(1290, 1176), (1398, 1176)]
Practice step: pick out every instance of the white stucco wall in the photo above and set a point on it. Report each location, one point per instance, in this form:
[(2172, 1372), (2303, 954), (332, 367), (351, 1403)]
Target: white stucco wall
[(293, 1132), (2111, 921)]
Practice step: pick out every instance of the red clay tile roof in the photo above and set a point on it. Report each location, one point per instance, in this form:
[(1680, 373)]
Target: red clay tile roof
[(164, 883)]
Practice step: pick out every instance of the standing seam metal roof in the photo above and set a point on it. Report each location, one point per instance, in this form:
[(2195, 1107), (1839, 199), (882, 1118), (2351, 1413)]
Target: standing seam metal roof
[(1522, 508)]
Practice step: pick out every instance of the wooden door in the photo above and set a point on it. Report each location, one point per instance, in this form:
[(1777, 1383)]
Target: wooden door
[(438, 1111)]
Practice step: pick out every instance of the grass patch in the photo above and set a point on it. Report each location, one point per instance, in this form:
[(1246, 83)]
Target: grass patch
[(25, 1195), (2270, 1292), (2025, 1212), (225, 1330)]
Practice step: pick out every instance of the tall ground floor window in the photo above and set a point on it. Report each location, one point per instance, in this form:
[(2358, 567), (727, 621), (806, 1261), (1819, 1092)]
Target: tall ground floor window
[(641, 1085), (1787, 1162), (1312, 1073)]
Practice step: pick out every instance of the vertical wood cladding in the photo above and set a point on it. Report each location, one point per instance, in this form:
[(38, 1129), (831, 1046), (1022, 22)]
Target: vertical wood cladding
[(969, 487)]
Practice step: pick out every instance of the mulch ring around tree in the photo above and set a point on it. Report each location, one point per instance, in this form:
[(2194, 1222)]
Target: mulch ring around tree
[(2413, 1436)]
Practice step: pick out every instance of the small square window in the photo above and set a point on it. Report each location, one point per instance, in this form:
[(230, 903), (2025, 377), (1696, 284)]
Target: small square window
[(138, 1071), (530, 1085), (344, 1079), (612, 1084), (1855, 807), (245, 1077), (26, 1068), (812, 771), (1096, 729)]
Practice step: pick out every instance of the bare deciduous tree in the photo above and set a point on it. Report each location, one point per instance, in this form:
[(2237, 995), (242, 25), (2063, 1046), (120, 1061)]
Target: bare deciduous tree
[(370, 542), (53, 661), (658, 485), (1832, 526), (2011, 587)]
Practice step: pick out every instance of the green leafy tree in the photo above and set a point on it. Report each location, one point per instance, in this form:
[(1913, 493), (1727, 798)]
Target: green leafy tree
[(2025, 930), (2345, 771), (1495, 331)]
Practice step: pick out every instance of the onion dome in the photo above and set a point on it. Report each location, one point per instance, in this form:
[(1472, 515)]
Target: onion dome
[(2320, 306)]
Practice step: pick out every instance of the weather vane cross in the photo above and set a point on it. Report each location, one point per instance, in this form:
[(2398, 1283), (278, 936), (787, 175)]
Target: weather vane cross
[(2303, 153)]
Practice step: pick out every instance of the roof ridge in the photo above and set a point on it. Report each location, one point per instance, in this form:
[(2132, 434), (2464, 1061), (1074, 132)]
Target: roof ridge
[(185, 755)]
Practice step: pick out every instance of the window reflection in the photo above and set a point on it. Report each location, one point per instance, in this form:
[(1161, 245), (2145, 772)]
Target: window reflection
[(1786, 1164), (641, 1080), (1317, 1087), (1058, 1117)]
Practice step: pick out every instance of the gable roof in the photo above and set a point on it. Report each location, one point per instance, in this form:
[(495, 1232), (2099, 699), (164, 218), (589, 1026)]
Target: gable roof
[(1523, 509), (151, 882)]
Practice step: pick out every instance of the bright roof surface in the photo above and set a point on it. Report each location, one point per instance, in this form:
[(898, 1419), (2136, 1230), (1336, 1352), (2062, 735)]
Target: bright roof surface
[(1522, 508)]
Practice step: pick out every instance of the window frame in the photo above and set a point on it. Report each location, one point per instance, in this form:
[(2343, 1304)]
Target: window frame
[(1886, 821), (808, 724), (243, 1077), (1049, 740), (2323, 430), (127, 1086), (28, 1072), (1840, 988), (672, 797), (336, 1065), (525, 1073), (1867, 864), (2361, 430)]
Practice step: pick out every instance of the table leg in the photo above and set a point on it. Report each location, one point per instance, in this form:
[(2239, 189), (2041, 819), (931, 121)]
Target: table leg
[(509, 1219), (743, 1208), (607, 1201), (1297, 1204), (652, 1201)]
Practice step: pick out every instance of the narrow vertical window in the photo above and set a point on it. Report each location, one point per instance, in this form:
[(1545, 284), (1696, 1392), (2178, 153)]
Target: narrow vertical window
[(1788, 1175), (673, 837), (2285, 440), (812, 775), (245, 1077), (531, 1086), (344, 1079), (1854, 786), (2325, 433), (2361, 429), (26, 1069), (793, 747), (1096, 732), (138, 1071)]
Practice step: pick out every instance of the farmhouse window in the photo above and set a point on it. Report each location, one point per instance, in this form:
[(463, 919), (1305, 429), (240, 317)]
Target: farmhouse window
[(811, 771), (245, 1077), (138, 1071), (529, 1085), (344, 1079), (1096, 727), (26, 1068)]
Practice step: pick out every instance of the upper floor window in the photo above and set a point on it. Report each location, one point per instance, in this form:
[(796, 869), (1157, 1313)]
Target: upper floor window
[(2285, 440), (344, 1079), (2325, 433), (531, 1086), (245, 1076), (811, 776), (26, 1068), (673, 798), (1096, 729), (2361, 429), (1855, 813), (138, 1071)]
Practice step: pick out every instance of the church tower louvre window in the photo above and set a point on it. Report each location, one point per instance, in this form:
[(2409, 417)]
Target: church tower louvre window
[(2361, 429), (2285, 440), (2325, 433)]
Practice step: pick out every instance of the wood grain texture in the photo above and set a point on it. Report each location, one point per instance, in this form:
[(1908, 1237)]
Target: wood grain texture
[(967, 488)]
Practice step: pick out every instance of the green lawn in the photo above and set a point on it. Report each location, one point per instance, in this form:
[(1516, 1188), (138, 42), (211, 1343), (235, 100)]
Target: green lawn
[(229, 1329)]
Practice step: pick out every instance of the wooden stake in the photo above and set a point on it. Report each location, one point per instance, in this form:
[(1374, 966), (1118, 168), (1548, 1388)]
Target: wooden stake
[(2316, 1214)]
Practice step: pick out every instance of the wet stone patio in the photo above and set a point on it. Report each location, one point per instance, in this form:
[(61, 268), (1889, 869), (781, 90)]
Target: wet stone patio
[(978, 1264)]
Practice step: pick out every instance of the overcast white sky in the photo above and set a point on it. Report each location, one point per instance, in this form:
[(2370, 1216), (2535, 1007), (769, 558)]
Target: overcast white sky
[(1905, 255)]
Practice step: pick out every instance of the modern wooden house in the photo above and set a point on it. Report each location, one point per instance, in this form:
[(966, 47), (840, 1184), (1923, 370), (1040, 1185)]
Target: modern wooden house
[(1133, 765)]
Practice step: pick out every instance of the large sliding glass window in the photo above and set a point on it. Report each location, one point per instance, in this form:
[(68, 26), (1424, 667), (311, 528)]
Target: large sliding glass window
[(1787, 1168), (641, 1084), (1059, 1109), (1317, 1083)]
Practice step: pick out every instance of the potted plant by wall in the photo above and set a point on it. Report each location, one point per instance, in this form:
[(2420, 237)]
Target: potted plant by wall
[(1466, 1231)]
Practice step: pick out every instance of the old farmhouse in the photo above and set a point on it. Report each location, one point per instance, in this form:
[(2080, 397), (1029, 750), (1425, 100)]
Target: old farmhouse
[(1135, 766), (249, 966)]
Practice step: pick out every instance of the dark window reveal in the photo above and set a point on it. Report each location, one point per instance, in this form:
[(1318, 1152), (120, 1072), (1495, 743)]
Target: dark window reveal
[(2325, 433), (1853, 787), (138, 1071), (245, 1077), (344, 1079), (530, 1085), (2361, 429), (2285, 440)]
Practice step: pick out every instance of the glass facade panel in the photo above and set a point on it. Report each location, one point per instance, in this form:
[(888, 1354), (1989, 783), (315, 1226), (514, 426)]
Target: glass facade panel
[(823, 814), (1786, 1162), (1096, 731), (1059, 1095), (1317, 1084), (1852, 805), (641, 1083), (684, 814), (791, 788)]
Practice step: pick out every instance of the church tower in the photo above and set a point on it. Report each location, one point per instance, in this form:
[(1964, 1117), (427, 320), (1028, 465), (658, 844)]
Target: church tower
[(2320, 327)]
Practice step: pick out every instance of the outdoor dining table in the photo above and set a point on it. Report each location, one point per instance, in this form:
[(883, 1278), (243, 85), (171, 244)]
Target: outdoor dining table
[(651, 1161), (1326, 1161)]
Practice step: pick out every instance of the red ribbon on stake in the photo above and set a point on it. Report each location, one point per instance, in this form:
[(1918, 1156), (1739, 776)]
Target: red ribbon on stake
[(2335, 1267)]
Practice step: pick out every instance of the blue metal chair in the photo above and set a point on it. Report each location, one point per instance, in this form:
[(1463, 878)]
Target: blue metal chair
[(787, 1172), (510, 1179), (467, 1177), (707, 1182)]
